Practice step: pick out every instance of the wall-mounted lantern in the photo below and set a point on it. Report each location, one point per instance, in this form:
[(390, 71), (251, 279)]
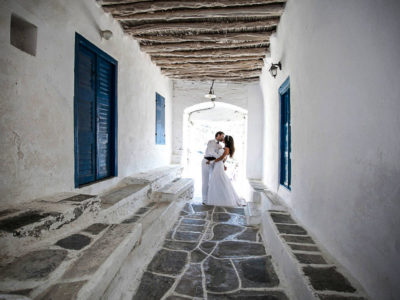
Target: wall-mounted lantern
[(274, 69), (106, 34)]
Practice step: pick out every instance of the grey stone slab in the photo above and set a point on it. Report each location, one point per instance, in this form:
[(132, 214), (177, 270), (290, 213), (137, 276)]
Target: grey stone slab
[(250, 234), (77, 198), (62, 291), (174, 297), (328, 279), (238, 249), (183, 213), (26, 218), (131, 220), (117, 195), (220, 275), (142, 210), (6, 212), (191, 282), (207, 246), (95, 228), (187, 236), (188, 227), (200, 208), (291, 229), (179, 245), (249, 295), (282, 218), (297, 239), (24, 292), (153, 287), (221, 217), (168, 262), (74, 242), (200, 216), (310, 258), (192, 221), (94, 256), (223, 231), (303, 247), (151, 204), (219, 209), (235, 210), (34, 265), (197, 256), (338, 297), (256, 272)]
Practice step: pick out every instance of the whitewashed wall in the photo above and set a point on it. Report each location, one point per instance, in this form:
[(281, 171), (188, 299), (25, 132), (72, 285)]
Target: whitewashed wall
[(343, 59), (246, 96), (36, 127)]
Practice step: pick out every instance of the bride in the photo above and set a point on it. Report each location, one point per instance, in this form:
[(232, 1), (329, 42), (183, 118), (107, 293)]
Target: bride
[(221, 191)]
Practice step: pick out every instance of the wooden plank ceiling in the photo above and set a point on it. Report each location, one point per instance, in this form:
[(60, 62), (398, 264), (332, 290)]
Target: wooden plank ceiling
[(201, 40)]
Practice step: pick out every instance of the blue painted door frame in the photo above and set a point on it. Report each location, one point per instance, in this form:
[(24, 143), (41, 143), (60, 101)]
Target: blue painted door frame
[(285, 136), (95, 113)]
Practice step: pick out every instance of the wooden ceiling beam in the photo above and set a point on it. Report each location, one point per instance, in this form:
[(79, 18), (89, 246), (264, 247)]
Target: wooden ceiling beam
[(162, 5), (229, 73), (204, 78), (199, 46), (204, 60), (268, 10), (215, 53), (248, 64), (201, 27), (219, 38)]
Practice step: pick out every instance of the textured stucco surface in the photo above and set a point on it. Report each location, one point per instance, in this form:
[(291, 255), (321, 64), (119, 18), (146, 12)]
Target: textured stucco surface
[(36, 127), (343, 60)]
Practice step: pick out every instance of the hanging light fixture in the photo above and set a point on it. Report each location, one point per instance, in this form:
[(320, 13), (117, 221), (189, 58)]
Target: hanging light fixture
[(274, 69), (211, 94)]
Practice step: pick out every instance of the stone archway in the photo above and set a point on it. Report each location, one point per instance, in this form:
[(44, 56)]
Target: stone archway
[(200, 122)]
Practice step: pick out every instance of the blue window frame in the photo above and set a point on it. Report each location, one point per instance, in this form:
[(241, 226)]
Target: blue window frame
[(160, 119), (285, 135), (95, 113)]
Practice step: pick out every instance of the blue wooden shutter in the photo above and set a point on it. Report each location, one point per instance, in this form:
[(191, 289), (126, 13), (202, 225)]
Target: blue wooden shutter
[(85, 118), (105, 94), (95, 113), (285, 153), (160, 119)]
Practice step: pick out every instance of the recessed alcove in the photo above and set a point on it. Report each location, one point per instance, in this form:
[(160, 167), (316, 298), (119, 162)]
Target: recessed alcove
[(23, 35)]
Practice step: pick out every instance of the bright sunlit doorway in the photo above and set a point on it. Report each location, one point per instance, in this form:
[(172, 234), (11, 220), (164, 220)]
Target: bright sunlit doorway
[(201, 122)]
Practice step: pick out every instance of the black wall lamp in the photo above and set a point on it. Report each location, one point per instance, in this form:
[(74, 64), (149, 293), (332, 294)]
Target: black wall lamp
[(274, 69)]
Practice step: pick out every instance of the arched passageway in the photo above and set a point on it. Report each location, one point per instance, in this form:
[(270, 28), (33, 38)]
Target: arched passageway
[(200, 123)]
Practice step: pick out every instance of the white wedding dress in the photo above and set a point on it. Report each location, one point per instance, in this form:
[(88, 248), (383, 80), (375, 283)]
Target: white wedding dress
[(220, 188)]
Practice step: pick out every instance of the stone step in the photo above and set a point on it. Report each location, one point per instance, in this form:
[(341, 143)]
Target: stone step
[(311, 272), (77, 266), (154, 227), (156, 178), (40, 219), (253, 213), (178, 188)]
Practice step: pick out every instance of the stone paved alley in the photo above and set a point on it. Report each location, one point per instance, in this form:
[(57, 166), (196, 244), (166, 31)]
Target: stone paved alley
[(211, 254)]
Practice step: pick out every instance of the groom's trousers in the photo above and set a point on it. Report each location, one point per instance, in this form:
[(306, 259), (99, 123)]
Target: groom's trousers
[(206, 170)]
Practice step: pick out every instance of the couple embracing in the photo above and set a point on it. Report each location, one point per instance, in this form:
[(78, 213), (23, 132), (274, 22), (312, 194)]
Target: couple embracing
[(217, 187)]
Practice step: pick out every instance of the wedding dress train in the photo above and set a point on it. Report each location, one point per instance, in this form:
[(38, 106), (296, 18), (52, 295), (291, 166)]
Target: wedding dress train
[(220, 190)]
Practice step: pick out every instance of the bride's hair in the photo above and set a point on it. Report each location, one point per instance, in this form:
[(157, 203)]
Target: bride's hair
[(228, 141)]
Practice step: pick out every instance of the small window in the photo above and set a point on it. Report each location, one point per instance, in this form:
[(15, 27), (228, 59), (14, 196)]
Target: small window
[(160, 119), (286, 136), (23, 35)]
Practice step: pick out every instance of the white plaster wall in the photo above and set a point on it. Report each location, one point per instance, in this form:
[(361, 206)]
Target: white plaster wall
[(343, 59), (36, 127), (247, 96)]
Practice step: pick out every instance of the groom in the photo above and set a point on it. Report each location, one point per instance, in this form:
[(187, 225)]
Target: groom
[(211, 154)]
